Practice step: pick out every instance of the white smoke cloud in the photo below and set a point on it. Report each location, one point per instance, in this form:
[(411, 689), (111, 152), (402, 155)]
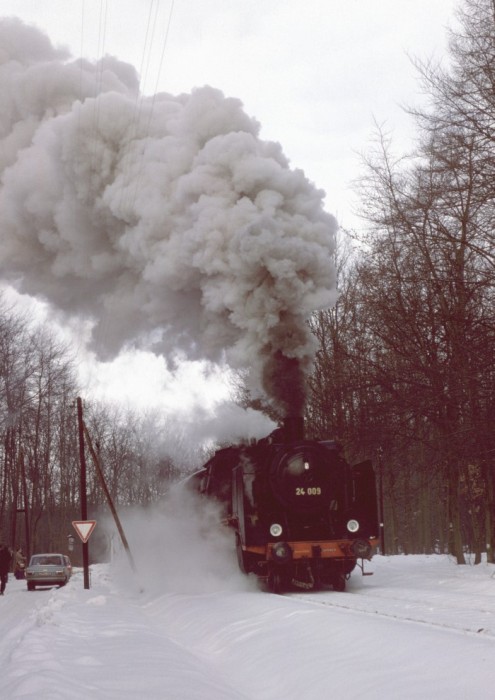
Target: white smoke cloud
[(166, 220), (177, 546), (226, 423)]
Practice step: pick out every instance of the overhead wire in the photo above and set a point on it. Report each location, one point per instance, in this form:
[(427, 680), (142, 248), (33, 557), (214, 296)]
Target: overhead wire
[(145, 64), (98, 83), (136, 127), (165, 42), (153, 100), (79, 135), (81, 51), (93, 141)]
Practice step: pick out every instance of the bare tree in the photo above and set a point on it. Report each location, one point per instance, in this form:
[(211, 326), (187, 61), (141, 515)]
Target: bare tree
[(412, 339)]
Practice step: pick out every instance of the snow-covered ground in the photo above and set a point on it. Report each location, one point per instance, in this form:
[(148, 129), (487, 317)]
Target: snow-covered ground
[(420, 627)]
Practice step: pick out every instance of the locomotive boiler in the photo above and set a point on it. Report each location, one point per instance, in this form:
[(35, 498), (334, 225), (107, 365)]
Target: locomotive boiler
[(302, 516)]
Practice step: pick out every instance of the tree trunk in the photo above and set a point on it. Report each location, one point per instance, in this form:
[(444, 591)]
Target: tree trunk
[(455, 534)]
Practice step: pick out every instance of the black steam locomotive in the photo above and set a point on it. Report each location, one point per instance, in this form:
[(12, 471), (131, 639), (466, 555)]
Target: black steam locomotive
[(302, 516)]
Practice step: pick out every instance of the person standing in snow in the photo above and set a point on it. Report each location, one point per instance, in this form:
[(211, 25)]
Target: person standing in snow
[(20, 564), (5, 561)]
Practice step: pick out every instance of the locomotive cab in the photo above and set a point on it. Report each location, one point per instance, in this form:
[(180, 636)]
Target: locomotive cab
[(217, 480)]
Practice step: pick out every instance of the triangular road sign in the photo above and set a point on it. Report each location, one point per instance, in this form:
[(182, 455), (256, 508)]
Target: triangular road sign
[(84, 528)]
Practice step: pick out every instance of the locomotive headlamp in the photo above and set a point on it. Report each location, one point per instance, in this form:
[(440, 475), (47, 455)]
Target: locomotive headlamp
[(352, 525), (281, 552), (275, 530), (361, 549)]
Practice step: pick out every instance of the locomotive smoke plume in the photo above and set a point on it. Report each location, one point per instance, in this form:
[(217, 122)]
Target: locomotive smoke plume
[(165, 220)]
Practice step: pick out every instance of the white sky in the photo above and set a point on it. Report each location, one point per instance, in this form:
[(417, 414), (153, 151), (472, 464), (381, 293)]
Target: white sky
[(315, 75)]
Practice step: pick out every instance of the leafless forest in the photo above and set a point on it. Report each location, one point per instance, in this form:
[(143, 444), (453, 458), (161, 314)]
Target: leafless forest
[(405, 367)]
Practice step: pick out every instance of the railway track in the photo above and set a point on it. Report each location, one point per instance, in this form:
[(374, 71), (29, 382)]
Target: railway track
[(465, 615)]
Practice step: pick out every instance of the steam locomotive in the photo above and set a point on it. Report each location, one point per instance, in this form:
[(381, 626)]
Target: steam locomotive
[(302, 516)]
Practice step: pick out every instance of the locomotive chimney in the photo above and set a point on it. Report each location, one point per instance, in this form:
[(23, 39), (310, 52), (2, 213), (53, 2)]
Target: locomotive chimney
[(293, 428)]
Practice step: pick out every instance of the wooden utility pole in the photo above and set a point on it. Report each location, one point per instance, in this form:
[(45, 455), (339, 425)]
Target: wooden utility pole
[(99, 471), (84, 504)]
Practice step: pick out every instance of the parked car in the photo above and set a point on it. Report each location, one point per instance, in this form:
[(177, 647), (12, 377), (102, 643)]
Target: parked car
[(50, 569)]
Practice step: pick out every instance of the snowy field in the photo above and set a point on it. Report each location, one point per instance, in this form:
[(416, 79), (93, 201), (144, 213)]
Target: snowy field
[(420, 627)]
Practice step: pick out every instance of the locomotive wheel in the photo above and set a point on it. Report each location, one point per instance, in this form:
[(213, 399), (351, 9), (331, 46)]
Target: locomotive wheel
[(318, 584), (338, 583), (275, 582)]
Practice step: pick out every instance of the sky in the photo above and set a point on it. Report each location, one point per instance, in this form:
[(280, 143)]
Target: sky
[(190, 626), (314, 79)]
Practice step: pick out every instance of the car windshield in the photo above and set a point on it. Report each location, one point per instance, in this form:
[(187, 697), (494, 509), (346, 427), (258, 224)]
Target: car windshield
[(46, 560)]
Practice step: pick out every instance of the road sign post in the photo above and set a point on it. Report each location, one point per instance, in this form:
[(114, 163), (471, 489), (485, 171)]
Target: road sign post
[(84, 507)]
